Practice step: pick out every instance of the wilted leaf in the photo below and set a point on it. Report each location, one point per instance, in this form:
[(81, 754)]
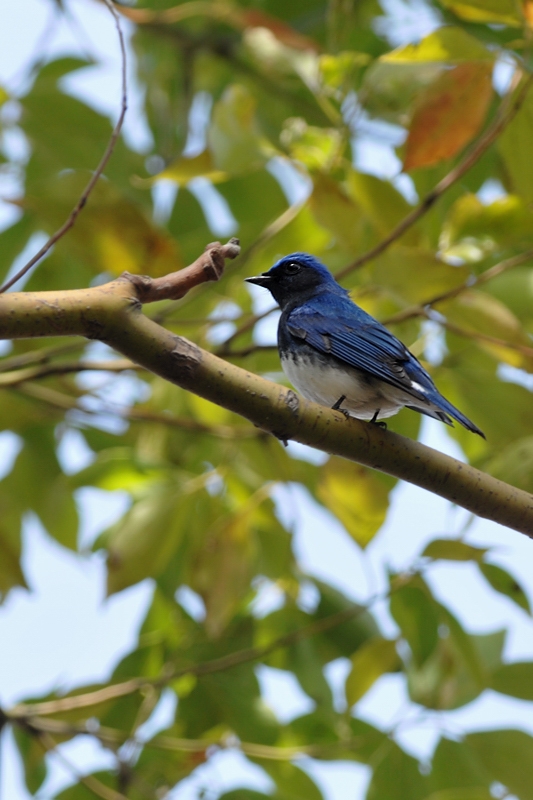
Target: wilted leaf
[(448, 114)]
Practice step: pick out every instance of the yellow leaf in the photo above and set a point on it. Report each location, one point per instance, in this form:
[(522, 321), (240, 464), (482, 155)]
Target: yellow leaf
[(184, 170), (448, 44), (357, 496), (373, 659)]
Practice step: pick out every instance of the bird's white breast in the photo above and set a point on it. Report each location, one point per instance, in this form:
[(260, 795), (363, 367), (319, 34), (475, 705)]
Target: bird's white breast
[(325, 384)]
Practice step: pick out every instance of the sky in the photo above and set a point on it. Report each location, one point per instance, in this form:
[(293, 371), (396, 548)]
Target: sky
[(64, 633)]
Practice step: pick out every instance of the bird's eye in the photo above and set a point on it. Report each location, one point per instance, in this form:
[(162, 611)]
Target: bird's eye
[(292, 268)]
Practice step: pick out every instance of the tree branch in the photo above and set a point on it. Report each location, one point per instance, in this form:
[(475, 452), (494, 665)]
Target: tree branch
[(113, 313), (208, 267)]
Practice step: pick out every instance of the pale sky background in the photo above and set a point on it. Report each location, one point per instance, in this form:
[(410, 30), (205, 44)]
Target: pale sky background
[(64, 633)]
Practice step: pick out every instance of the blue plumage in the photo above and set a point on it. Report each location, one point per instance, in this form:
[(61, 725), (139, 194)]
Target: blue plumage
[(338, 355)]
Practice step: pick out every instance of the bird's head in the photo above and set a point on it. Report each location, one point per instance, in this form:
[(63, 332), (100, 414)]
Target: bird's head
[(296, 277)]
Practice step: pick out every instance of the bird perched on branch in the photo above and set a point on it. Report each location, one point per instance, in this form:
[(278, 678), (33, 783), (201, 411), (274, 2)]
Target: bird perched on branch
[(338, 355)]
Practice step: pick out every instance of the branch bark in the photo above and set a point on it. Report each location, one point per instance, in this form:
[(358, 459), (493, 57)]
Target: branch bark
[(113, 314)]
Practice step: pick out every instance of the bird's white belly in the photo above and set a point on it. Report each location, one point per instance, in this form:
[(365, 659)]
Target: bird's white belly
[(325, 384)]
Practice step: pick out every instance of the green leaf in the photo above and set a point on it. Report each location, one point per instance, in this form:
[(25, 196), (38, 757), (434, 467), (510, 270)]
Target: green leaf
[(357, 496), (32, 755), (515, 680), (370, 662), (417, 617), (507, 756), (384, 206), (455, 767), (292, 782), (397, 777), (501, 581), (513, 145), (400, 271), (473, 230), (142, 542), (234, 138), (453, 550), (317, 148)]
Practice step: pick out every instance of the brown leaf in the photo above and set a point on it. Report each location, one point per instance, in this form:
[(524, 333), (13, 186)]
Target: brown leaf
[(449, 114)]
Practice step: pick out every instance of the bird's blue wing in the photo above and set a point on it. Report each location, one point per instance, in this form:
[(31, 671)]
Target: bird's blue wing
[(359, 341)]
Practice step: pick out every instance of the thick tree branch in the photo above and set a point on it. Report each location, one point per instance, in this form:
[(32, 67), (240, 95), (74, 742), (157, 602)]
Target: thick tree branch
[(112, 313)]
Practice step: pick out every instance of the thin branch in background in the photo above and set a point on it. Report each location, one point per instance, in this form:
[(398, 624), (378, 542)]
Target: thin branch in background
[(93, 784), (98, 172), (507, 111), (64, 402), (471, 283), (16, 377), (222, 664)]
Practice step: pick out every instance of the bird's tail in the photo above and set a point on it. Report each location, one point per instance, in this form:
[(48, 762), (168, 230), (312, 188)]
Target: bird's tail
[(442, 409)]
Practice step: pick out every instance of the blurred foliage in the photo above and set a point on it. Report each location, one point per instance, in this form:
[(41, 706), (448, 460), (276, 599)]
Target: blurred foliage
[(243, 100)]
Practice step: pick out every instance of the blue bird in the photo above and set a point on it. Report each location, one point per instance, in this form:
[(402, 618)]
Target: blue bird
[(336, 354)]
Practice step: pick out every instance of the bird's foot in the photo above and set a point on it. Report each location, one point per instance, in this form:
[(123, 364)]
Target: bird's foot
[(337, 406), (379, 422)]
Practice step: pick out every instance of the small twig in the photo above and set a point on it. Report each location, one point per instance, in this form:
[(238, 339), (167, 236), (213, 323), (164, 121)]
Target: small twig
[(98, 172), (506, 113), (208, 267)]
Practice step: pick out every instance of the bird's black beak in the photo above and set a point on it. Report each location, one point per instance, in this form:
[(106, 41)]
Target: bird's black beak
[(261, 280)]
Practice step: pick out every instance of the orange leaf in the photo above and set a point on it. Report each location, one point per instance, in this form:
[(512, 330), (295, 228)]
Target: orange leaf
[(449, 114)]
